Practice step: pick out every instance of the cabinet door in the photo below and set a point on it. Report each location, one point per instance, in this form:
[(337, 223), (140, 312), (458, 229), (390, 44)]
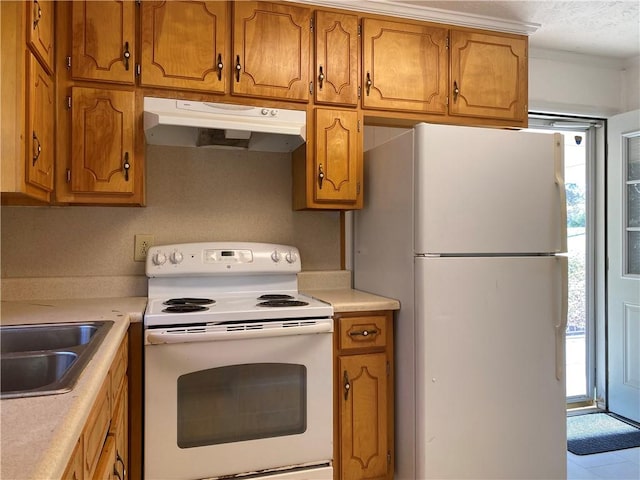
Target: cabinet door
[(271, 50), (363, 416), (338, 156), (405, 67), (103, 40), (336, 62), (40, 31), (102, 141), (40, 121), (184, 45), (488, 76)]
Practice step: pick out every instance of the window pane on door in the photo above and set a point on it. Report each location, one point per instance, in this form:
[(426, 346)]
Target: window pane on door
[(632, 203)]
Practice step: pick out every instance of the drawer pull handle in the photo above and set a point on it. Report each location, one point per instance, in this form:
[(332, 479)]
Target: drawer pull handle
[(364, 333), (346, 385)]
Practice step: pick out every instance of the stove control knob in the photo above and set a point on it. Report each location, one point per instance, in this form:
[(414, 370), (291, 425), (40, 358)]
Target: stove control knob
[(275, 256), (176, 257), (159, 258), (291, 257)]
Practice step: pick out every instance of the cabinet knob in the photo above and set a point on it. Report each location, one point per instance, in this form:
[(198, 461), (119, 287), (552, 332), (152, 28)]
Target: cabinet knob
[(37, 14), (320, 176), (368, 83), (220, 66), (346, 384), (126, 166), (456, 90), (126, 55), (320, 78), (238, 68), (37, 149)]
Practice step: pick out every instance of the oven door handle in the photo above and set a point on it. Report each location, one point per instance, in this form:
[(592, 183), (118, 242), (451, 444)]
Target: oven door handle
[(168, 336)]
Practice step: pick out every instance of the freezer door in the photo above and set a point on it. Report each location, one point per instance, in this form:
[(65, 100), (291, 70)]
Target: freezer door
[(489, 370), (481, 190)]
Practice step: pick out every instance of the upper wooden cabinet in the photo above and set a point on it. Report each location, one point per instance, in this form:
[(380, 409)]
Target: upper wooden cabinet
[(40, 122), (40, 31), (336, 58), (404, 66), (185, 45), (327, 170), (103, 41), (270, 50), (488, 76), (102, 141)]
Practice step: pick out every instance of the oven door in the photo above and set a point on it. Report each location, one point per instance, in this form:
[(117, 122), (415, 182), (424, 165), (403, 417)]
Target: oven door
[(229, 403)]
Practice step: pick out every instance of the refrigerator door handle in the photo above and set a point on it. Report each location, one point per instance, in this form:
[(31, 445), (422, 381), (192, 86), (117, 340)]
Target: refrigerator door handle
[(561, 326), (559, 174)]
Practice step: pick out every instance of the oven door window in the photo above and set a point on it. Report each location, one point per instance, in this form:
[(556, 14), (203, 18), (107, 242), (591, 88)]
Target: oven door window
[(241, 402)]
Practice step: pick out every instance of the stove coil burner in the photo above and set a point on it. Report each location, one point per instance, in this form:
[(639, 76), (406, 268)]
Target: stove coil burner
[(282, 303), (275, 296), (186, 305), (189, 301)]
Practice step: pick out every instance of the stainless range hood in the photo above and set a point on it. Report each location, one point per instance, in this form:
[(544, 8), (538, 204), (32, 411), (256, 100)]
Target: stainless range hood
[(205, 124)]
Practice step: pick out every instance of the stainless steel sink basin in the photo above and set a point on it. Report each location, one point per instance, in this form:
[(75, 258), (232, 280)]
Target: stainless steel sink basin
[(29, 338), (46, 359)]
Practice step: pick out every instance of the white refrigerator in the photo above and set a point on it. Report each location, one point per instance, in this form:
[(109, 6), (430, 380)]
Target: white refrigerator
[(464, 225)]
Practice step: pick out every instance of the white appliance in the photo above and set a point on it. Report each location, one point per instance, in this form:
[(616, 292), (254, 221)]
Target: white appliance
[(189, 123), (238, 365), (463, 225)]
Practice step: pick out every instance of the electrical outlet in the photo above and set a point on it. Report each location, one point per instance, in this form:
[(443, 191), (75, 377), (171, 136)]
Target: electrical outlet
[(141, 247)]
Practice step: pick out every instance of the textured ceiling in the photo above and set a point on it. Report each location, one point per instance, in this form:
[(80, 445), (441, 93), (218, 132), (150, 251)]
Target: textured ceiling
[(593, 27)]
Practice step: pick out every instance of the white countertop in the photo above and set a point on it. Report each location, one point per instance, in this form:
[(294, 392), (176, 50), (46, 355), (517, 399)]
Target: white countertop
[(38, 434), (348, 300)]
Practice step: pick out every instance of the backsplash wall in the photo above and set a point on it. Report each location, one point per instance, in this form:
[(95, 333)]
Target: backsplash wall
[(192, 195)]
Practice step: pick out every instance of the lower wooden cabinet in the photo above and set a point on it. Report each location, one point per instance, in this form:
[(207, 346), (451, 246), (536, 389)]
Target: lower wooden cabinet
[(363, 403), (102, 449)]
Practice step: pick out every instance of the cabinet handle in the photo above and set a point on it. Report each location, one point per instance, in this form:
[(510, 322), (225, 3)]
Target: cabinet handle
[(126, 55), (368, 83), (220, 66), (238, 68), (456, 91), (364, 333), (37, 14), (320, 78), (37, 150), (320, 176), (124, 468), (126, 166), (346, 384)]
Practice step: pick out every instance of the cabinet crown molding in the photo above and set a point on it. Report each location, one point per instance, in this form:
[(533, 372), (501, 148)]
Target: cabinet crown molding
[(418, 12)]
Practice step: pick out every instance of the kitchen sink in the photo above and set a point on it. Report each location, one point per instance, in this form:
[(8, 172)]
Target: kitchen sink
[(46, 359)]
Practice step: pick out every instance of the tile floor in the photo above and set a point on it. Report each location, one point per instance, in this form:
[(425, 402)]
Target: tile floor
[(617, 465)]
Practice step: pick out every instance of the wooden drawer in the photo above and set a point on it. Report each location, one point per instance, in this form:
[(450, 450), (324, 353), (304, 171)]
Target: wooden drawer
[(362, 332), (119, 370), (96, 430)]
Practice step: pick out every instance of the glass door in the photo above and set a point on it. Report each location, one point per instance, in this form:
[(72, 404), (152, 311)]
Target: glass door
[(579, 158)]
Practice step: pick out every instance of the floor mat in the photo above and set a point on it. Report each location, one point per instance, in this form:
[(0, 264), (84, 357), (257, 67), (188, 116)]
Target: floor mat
[(599, 432)]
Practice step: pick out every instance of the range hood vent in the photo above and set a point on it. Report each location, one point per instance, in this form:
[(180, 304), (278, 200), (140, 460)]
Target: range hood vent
[(205, 124)]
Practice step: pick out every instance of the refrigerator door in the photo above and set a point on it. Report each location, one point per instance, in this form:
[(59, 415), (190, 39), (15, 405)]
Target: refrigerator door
[(490, 389), (481, 190)]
